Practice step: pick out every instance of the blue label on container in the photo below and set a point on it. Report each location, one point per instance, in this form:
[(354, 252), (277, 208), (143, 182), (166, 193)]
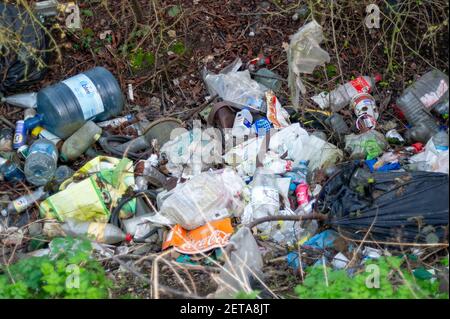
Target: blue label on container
[(19, 135), (87, 95), (44, 148)]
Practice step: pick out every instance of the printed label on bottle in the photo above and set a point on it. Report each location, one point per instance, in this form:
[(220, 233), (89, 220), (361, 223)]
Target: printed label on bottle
[(360, 85), (97, 231), (263, 195), (49, 136), (87, 95), (44, 148), (20, 204), (431, 98)]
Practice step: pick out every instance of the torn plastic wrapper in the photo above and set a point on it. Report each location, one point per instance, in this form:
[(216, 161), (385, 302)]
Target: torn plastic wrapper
[(276, 114), (93, 191), (304, 54), (294, 140), (236, 86), (190, 152), (206, 197), (433, 160), (215, 234)]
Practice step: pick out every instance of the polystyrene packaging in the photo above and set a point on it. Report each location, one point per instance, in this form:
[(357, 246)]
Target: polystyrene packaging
[(206, 197)]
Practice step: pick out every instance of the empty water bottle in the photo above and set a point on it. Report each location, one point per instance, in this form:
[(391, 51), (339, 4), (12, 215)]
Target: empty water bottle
[(10, 171), (80, 141), (428, 93), (91, 95), (440, 140), (23, 202), (40, 165)]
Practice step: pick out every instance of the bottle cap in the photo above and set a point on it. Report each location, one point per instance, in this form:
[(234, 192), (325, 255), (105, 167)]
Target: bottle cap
[(128, 237), (63, 157), (35, 132)]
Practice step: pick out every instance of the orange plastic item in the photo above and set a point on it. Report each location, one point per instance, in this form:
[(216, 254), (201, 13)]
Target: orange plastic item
[(209, 236)]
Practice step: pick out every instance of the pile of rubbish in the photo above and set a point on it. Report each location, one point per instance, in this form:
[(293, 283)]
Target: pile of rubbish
[(251, 170)]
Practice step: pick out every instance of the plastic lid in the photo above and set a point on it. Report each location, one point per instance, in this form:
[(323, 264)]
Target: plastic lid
[(128, 237), (63, 157), (35, 132)]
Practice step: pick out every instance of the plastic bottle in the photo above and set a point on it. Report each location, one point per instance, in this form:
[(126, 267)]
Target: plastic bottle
[(40, 132), (440, 140), (299, 173), (302, 194), (341, 96), (138, 226), (23, 202), (80, 141), (265, 200), (10, 171), (242, 123), (91, 95), (100, 232), (40, 164), (337, 123), (428, 93), (62, 173), (269, 79)]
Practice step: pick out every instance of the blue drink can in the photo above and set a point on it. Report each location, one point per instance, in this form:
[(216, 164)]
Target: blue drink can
[(19, 135)]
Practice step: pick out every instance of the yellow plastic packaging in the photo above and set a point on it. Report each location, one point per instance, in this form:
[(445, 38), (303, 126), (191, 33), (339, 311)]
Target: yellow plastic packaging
[(93, 191)]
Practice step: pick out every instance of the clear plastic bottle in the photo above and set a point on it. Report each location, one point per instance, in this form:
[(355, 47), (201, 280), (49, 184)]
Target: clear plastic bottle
[(23, 202), (10, 171), (337, 123), (242, 123), (440, 140), (428, 93), (67, 105), (265, 199), (342, 95), (62, 173), (80, 141), (40, 165), (100, 232), (299, 173)]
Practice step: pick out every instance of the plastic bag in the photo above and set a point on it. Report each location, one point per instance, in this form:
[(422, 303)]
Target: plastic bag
[(22, 62), (236, 86), (395, 206), (206, 197), (304, 54), (433, 160), (190, 153), (242, 267), (367, 145)]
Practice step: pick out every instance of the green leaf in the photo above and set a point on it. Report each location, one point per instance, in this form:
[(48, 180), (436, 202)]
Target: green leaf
[(178, 48), (174, 11), (87, 12)]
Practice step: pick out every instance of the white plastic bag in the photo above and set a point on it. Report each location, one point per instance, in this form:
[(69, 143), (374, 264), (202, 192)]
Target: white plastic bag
[(434, 160)]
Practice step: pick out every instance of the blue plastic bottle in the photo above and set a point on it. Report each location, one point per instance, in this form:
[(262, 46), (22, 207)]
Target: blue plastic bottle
[(67, 105)]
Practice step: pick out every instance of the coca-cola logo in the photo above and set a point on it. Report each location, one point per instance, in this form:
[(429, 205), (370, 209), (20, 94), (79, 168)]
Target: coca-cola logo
[(217, 238)]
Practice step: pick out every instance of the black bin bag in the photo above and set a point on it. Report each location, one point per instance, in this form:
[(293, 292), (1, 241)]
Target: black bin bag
[(408, 207), (23, 56)]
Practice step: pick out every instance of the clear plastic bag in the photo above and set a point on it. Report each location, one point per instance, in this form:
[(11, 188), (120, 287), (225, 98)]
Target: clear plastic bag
[(304, 54), (368, 145), (236, 86), (206, 197)]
